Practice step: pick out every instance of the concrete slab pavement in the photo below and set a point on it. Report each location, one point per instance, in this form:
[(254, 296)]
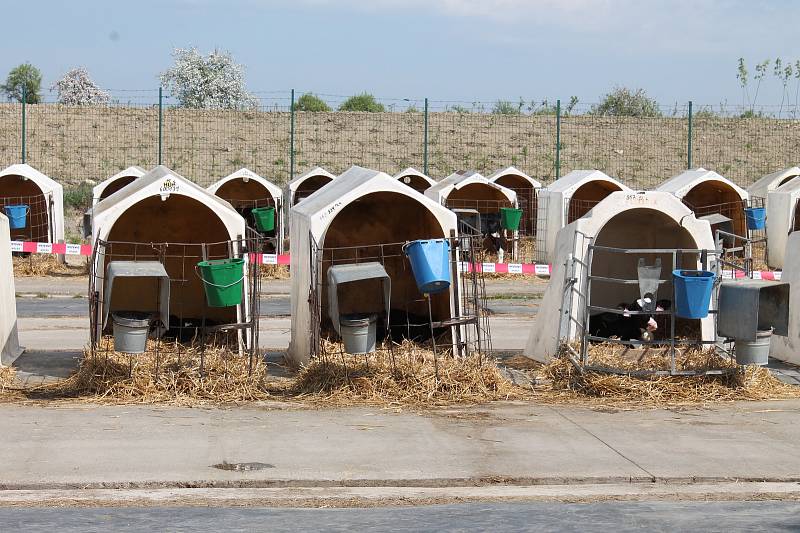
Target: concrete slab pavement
[(138, 446)]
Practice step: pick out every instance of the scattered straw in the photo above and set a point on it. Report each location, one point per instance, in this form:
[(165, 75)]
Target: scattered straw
[(46, 265), (734, 383), (120, 378), (8, 378), (335, 379), (274, 271)]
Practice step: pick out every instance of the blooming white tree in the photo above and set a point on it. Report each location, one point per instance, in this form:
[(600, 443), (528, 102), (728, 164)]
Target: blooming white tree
[(77, 88), (214, 81)]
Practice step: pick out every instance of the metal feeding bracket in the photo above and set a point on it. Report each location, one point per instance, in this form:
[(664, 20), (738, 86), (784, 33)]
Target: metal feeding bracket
[(649, 280)]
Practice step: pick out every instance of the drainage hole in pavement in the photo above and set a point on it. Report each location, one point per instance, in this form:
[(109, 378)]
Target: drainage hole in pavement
[(242, 467)]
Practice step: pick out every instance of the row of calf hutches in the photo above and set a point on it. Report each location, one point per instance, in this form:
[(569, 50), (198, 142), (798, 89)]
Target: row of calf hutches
[(9, 343), (34, 204), (363, 215)]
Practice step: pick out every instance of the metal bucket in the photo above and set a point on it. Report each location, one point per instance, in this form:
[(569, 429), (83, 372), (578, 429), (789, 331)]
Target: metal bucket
[(130, 331), (358, 333), (754, 352)]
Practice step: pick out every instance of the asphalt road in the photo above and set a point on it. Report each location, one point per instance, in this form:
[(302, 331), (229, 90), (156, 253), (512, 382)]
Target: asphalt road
[(497, 517)]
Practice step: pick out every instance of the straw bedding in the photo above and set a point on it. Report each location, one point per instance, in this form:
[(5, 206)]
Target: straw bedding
[(119, 378), (409, 379), (274, 272), (733, 383), (46, 265)]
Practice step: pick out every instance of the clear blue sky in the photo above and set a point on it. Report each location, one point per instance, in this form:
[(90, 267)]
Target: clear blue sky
[(443, 49)]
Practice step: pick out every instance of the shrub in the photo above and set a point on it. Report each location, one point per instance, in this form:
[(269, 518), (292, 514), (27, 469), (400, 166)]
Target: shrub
[(27, 76), (621, 102), (214, 81), (77, 88), (362, 102), (311, 102), (78, 196), (505, 107)]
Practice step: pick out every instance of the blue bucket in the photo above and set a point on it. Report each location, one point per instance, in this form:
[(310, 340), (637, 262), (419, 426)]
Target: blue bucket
[(430, 263), (756, 217), (692, 292), (17, 216)]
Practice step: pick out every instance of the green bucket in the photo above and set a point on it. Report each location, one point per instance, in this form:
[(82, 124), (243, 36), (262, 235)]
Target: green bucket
[(264, 217), (510, 217), (222, 280)]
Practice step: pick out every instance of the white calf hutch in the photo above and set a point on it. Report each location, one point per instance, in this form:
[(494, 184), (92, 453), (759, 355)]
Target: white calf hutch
[(708, 194), (366, 217), (245, 190), (415, 179), (770, 182), (306, 184), (624, 221), (110, 185), (783, 219), (163, 217), (34, 204), (526, 188), (788, 348), (565, 201), (9, 343)]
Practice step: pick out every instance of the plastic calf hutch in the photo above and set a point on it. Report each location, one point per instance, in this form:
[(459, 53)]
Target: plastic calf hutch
[(9, 343), (109, 186), (526, 188), (788, 348), (415, 179), (707, 193), (245, 190), (645, 220), (22, 184), (306, 184), (770, 182), (783, 218), (565, 201), (163, 216), (363, 216)]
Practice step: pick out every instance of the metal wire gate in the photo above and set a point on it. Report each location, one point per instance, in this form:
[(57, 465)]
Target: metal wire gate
[(192, 325)]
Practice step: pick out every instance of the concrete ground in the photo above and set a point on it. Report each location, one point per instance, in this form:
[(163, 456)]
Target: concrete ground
[(274, 445), (497, 517)]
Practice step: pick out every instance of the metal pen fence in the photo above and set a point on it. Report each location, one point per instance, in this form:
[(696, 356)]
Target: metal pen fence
[(275, 139)]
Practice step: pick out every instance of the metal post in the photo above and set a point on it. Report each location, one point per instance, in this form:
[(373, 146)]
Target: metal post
[(689, 147), (24, 133), (425, 142), (160, 124), (558, 139), (291, 141)]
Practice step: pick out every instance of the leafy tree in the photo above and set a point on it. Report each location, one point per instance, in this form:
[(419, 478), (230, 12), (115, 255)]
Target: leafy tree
[(214, 81), (362, 102), (743, 76), (311, 102), (77, 88), (622, 102), (23, 76)]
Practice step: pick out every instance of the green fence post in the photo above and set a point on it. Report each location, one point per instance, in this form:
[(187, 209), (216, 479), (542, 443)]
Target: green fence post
[(24, 97), (558, 139), (160, 123), (291, 140), (689, 147), (425, 142)]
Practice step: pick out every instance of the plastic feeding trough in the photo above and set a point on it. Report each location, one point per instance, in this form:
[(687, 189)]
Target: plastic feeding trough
[(164, 217), (9, 343), (258, 200), (415, 179), (622, 222), (34, 204), (363, 216), (566, 200), (112, 184)]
